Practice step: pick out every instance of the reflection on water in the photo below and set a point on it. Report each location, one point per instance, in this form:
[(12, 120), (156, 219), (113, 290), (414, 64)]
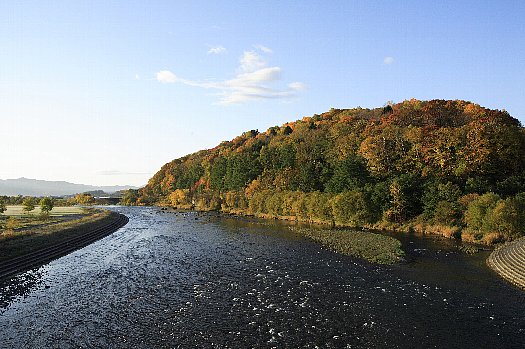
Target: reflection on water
[(187, 280)]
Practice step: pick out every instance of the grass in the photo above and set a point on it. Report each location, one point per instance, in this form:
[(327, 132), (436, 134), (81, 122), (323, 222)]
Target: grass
[(18, 211), (16, 220), (375, 248), (41, 234)]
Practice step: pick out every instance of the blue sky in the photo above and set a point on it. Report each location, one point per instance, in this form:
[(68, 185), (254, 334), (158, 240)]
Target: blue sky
[(106, 92)]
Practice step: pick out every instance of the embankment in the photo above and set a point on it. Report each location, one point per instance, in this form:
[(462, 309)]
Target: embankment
[(509, 262), (31, 250)]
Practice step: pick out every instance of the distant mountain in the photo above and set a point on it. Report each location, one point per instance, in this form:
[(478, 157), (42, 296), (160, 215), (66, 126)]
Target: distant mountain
[(36, 187)]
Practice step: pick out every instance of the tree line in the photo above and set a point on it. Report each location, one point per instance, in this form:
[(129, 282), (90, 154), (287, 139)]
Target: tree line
[(29, 203), (452, 167)]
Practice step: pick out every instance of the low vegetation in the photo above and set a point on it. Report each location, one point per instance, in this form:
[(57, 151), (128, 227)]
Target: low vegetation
[(375, 248), (22, 233)]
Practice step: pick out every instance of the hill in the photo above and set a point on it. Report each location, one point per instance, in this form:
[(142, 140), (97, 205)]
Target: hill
[(35, 187), (448, 166)]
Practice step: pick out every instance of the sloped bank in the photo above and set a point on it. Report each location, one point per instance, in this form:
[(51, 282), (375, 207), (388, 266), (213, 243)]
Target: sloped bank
[(509, 262), (17, 255)]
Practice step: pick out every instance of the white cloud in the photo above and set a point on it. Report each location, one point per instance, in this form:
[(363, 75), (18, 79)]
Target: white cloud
[(137, 77), (388, 60), (251, 61), (166, 77), (252, 82), (217, 50), (297, 86), (263, 48)]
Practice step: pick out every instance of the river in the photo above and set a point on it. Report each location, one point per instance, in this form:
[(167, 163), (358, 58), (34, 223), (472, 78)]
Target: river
[(192, 280)]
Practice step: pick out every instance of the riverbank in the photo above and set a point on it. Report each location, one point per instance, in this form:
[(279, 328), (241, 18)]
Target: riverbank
[(470, 244), (23, 241), (367, 245), (509, 262)]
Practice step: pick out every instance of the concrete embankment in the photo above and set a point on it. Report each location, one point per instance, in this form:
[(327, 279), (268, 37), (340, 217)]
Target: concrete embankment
[(88, 235), (509, 262)]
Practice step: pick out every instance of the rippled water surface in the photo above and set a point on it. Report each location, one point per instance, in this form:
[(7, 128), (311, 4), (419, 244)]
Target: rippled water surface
[(189, 280)]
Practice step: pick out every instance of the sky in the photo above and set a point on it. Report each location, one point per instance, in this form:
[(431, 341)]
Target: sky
[(106, 92)]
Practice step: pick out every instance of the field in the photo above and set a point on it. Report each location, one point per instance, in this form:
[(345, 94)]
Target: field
[(21, 233), (18, 211)]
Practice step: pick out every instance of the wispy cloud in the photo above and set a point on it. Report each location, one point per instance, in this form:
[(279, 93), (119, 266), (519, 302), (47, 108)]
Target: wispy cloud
[(217, 50), (166, 77), (263, 48), (388, 60), (251, 61), (253, 81)]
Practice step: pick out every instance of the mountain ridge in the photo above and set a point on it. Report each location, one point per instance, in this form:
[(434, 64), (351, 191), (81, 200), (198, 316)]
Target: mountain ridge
[(39, 187)]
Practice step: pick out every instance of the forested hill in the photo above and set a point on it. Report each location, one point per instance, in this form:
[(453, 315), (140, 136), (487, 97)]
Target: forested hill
[(448, 164)]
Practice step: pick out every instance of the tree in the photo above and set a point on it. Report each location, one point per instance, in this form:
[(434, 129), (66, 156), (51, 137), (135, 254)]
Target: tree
[(29, 204), (130, 197), (46, 205), (351, 208), (405, 198), (84, 199), (349, 174), (479, 212), (2, 206)]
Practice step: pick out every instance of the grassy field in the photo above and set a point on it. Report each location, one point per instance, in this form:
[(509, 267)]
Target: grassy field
[(18, 211), (16, 221), (375, 248), (33, 233)]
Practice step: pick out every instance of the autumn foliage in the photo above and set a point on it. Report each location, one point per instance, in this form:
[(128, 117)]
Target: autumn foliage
[(443, 163)]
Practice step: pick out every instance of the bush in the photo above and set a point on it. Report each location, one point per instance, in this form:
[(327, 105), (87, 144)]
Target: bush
[(299, 208), (446, 213), (435, 193), (351, 208), (319, 207), (273, 204), (508, 217), (477, 216)]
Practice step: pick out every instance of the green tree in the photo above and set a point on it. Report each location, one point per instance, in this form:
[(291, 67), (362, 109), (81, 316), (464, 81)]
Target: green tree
[(479, 212), (29, 204), (130, 197), (46, 205), (435, 192), (3, 207), (349, 174), (507, 217), (405, 198), (351, 208)]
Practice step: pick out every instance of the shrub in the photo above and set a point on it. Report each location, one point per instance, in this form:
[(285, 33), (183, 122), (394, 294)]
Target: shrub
[(478, 212), (446, 213), (319, 207), (299, 208), (273, 204), (179, 197), (508, 217), (351, 208)]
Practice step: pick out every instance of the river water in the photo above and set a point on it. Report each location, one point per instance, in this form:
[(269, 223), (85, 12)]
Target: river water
[(191, 280)]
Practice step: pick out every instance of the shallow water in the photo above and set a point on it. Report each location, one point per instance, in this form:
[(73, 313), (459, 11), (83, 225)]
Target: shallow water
[(190, 280)]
